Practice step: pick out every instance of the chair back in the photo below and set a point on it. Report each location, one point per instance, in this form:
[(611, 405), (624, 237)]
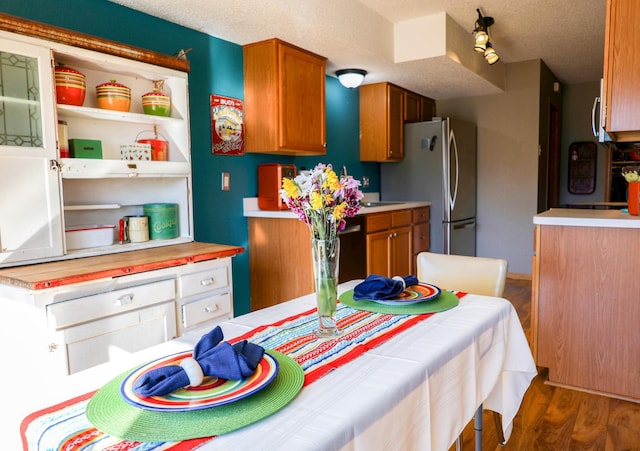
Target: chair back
[(477, 275)]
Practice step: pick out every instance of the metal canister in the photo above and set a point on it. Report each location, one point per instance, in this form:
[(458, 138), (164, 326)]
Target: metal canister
[(138, 228), (163, 221)]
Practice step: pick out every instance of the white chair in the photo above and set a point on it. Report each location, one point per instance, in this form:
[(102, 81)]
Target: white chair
[(477, 275)]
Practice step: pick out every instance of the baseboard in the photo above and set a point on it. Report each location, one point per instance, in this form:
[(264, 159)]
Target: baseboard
[(518, 276)]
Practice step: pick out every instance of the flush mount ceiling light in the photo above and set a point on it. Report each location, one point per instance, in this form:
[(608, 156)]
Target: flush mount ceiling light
[(481, 36), (351, 78)]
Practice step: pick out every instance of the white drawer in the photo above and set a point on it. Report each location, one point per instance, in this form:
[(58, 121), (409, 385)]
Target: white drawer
[(88, 308), (200, 282), (110, 338), (206, 309)]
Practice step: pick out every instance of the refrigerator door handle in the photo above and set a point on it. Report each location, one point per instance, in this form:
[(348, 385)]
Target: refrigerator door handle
[(454, 192), (464, 225)]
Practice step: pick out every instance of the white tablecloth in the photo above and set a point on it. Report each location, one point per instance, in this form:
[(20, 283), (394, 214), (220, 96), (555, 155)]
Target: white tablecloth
[(416, 391)]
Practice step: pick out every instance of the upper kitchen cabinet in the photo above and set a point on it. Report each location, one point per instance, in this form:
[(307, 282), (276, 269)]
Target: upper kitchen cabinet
[(54, 191), (381, 122), (284, 95), (418, 108), (31, 214), (621, 87)]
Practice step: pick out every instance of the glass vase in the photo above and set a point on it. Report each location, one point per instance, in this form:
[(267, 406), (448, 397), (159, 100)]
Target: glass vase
[(326, 260)]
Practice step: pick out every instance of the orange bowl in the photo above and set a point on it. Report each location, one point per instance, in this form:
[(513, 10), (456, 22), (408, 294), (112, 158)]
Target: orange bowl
[(113, 96)]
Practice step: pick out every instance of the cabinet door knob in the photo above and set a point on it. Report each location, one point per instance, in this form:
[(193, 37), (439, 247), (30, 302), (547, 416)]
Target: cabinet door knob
[(211, 308), (53, 347), (124, 300), (206, 282)]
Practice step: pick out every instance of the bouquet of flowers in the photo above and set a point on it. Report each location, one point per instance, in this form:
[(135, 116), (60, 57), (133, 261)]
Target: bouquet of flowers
[(322, 200)]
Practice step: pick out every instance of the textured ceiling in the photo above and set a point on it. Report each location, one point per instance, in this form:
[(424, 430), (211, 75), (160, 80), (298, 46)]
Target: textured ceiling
[(567, 35)]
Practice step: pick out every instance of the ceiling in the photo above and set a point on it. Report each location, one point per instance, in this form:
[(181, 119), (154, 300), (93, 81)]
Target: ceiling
[(567, 35)]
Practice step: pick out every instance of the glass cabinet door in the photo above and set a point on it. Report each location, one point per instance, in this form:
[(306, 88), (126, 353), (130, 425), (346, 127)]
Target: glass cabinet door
[(30, 203)]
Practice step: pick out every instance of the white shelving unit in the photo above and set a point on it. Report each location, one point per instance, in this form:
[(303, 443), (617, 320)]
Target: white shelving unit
[(102, 191)]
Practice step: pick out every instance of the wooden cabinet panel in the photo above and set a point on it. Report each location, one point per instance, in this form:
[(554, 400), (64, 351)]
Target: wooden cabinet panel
[(586, 311), (284, 99), (279, 250), (377, 222), (621, 96), (381, 122), (378, 253), (384, 109), (412, 107), (420, 238), (418, 108), (427, 109), (389, 243), (401, 255), (400, 218)]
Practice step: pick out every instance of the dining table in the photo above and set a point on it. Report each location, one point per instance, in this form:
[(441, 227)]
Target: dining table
[(416, 389)]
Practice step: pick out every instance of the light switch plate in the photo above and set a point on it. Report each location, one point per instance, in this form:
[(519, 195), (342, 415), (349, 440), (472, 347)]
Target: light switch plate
[(226, 181)]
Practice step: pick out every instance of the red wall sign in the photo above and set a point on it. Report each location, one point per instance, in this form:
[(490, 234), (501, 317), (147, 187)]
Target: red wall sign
[(227, 126)]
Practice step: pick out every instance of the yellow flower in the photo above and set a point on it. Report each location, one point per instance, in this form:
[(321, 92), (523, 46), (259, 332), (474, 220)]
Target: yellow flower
[(332, 182), (290, 187), (338, 211), (316, 201)]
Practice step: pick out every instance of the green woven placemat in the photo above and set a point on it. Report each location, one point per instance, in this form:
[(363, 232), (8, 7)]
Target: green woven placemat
[(445, 301), (110, 413)]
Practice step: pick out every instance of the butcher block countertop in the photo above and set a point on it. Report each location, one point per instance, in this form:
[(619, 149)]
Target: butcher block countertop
[(587, 218), (58, 273)]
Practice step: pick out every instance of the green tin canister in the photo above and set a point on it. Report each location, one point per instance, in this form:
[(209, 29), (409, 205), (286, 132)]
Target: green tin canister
[(163, 221)]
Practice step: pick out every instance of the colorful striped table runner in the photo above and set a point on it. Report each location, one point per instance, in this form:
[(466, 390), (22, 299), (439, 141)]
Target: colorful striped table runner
[(65, 426)]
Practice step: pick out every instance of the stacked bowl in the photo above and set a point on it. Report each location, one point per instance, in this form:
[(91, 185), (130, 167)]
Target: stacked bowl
[(113, 96), (156, 103), (70, 86)]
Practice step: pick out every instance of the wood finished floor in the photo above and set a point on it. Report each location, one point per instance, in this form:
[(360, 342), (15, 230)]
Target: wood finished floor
[(552, 418)]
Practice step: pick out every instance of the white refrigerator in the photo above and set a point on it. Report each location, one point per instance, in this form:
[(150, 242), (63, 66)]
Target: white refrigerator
[(439, 166)]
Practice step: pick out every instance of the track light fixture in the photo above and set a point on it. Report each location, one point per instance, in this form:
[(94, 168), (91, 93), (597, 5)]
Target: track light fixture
[(351, 78), (481, 36)]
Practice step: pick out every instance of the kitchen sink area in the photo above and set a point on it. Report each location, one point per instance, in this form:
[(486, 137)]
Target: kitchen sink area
[(379, 204)]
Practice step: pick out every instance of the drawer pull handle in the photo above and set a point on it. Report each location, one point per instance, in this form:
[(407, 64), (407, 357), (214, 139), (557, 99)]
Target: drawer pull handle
[(207, 282), (211, 308), (124, 300)]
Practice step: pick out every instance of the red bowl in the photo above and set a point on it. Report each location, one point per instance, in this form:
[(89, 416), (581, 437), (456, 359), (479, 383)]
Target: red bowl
[(70, 86)]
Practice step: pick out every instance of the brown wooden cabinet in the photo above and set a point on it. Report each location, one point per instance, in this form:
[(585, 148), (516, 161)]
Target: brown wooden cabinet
[(585, 308), (284, 99), (427, 108), (384, 109), (381, 122), (389, 243), (418, 108), (621, 87), (421, 229)]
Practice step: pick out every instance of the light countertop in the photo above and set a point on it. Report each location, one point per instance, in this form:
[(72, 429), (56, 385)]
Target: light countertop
[(251, 210), (587, 218)]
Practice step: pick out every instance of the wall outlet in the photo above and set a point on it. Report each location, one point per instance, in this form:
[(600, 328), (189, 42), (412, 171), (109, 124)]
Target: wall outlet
[(226, 181), (365, 181)]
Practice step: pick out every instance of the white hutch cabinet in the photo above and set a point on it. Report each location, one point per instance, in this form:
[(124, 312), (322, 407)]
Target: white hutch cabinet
[(42, 193), (61, 312)]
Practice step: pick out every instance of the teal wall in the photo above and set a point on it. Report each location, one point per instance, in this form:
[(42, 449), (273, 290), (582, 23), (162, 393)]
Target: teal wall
[(216, 68)]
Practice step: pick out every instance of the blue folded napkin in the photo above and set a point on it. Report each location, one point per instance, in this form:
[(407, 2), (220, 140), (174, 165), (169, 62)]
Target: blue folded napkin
[(218, 359), (379, 288)]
